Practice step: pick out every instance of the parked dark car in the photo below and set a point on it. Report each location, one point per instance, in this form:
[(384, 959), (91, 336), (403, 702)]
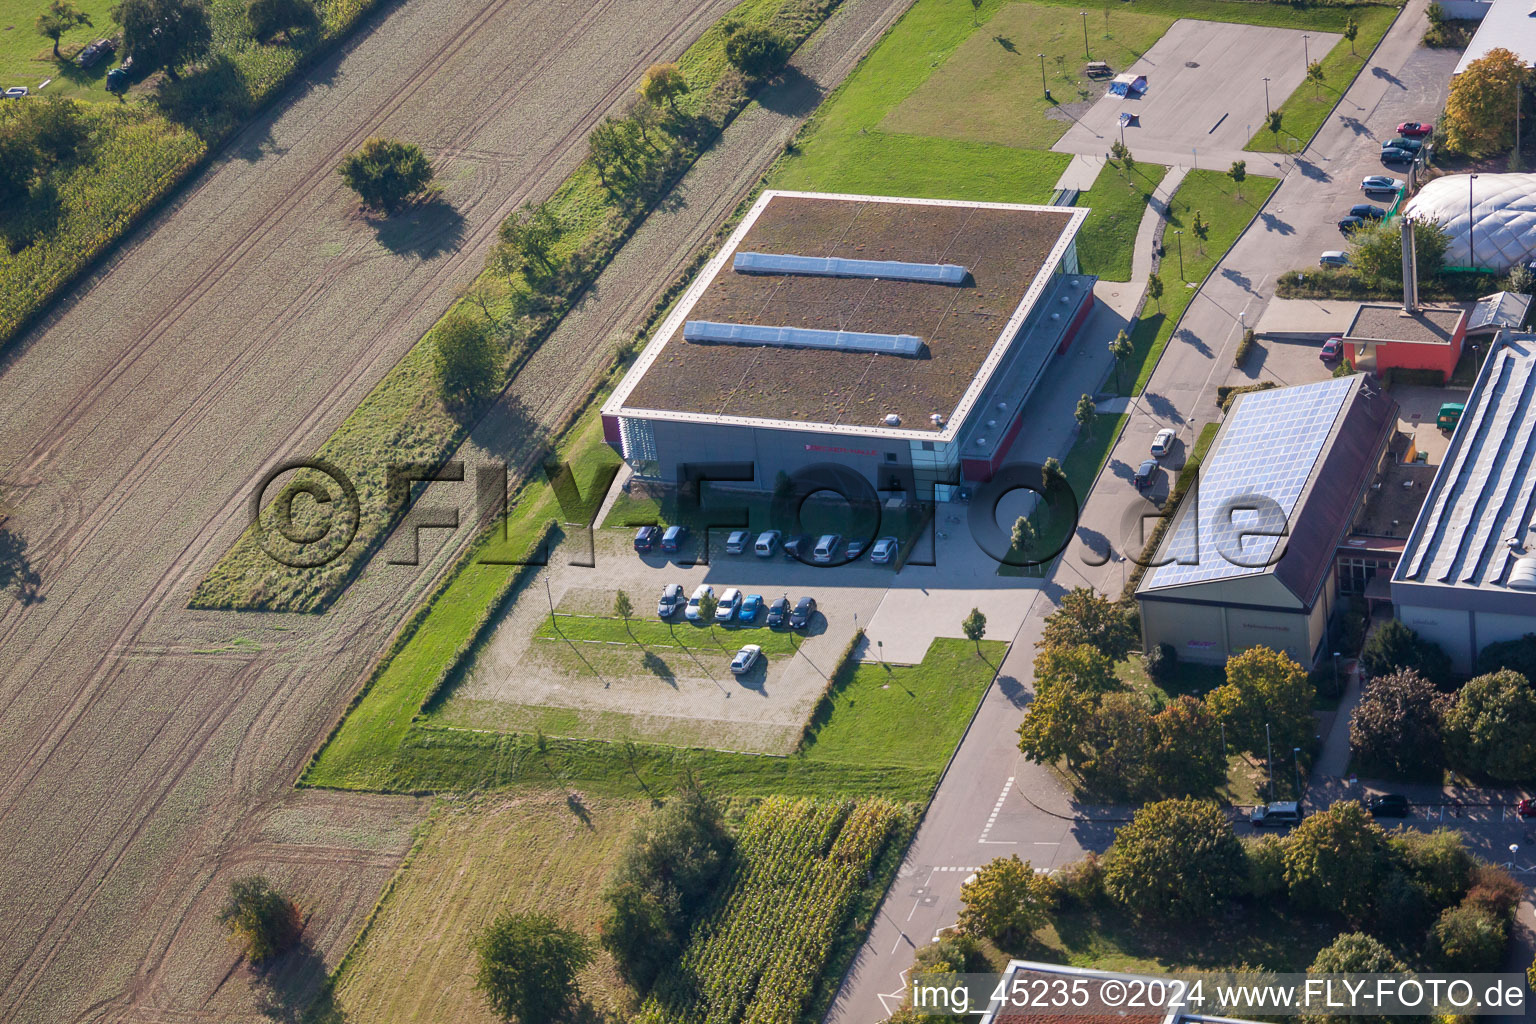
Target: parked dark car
[(646, 537), (1396, 155), (673, 538), (1349, 225), (1369, 211), (778, 611), (1144, 474), (95, 53), (797, 546), (1390, 805), (805, 611)]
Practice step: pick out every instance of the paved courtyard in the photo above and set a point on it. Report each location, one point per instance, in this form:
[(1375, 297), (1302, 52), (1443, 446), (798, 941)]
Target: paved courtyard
[(1205, 94)]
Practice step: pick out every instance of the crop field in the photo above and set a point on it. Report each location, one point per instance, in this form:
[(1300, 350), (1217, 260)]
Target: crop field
[(797, 902), (476, 859)]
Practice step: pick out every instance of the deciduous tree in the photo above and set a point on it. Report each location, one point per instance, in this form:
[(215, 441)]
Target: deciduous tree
[(1081, 667), (526, 965), (1335, 859), (1490, 728), (527, 241), (60, 17), (387, 173), (1085, 414), (1176, 859), (663, 83), (975, 627), (1186, 756), (1395, 729), (163, 33), (269, 17), (1155, 290), (1238, 172), (1263, 687), (1376, 250), (468, 361), (1054, 726), (1468, 940), (1121, 348), (1316, 76), (1006, 901), (1025, 538), (1351, 32), (1086, 616), (261, 920), (757, 51), (1480, 111)]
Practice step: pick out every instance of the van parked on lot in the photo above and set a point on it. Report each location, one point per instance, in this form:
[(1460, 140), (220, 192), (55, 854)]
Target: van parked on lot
[(826, 547), (1280, 815), (767, 541)]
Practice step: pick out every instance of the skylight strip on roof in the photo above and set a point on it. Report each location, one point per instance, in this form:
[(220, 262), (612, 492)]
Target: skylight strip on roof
[(1506, 469), (836, 266), (800, 337)]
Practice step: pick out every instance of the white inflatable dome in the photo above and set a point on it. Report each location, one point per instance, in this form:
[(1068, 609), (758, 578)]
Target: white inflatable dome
[(1504, 210)]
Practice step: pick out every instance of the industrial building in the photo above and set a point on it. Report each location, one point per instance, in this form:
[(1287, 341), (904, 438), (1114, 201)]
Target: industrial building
[(1252, 557), (1383, 336), (1467, 575), (899, 337), (1505, 24)]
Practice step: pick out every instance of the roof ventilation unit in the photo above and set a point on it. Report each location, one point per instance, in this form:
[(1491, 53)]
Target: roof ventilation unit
[(892, 420), (799, 337), (937, 419), (1523, 575), (836, 266)]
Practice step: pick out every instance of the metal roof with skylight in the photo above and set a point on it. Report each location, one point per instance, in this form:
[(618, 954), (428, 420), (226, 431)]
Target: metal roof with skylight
[(1251, 483)]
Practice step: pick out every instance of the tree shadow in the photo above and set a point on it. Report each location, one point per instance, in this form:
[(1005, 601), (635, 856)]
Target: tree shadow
[(1162, 408), (578, 807), (1355, 125), (16, 572), (294, 987), (795, 94), (1005, 43), (1018, 695), (659, 668), (1275, 224), (1188, 337), (1387, 76), (1311, 171), (424, 230), (1240, 279)]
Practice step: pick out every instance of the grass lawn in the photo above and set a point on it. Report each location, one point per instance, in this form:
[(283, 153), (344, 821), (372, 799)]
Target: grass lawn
[(474, 860), (26, 58), (643, 632), (989, 88), (1116, 205), (927, 706), (1308, 107), (1256, 935), (1227, 216)]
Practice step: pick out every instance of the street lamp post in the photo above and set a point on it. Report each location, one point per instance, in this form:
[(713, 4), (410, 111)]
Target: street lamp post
[(1306, 59), (1514, 850), (1178, 236), (1086, 54), (1043, 87), (1471, 225), (1266, 98), (1122, 133), (1296, 753), (1269, 762), (1335, 672)]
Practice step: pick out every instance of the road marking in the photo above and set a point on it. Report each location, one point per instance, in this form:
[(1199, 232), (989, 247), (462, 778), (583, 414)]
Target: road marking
[(992, 818)]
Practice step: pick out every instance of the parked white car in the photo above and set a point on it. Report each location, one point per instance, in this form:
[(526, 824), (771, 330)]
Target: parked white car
[(15, 92), (725, 611), (691, 613), (745, 659), (1162, 444)]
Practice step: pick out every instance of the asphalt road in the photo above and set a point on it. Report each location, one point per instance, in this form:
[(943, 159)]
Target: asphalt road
[(991, 801), (147, 751)]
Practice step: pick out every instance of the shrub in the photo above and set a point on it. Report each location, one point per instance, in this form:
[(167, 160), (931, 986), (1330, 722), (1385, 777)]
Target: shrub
[(660, 886), (269, 17), (1395, 729), (1005, 901), (1183, 758), (1402, 902), (1162, 664), (1495, 890), (1355, 953), (1394, 646), (1085, 616), (1081, 883), (1468, 939), (526, 964), (1439, 861), (1243, 348), (261, 921), (1176, 859), (468, 361), (386, 174), (1490, 729), (1266, 866), (757, 51), (1264, 688)]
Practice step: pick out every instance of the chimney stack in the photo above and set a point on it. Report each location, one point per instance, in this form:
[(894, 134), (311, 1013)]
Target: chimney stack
[(1410, 269)]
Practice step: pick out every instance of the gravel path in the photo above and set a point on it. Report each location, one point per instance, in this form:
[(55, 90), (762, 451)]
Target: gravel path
[(147, 751)]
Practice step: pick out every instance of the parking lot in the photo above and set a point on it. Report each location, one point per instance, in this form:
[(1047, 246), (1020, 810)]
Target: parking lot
[(1205, 94), (675, 687)]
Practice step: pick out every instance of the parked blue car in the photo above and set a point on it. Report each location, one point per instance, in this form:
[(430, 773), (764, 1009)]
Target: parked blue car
[(749, 606)]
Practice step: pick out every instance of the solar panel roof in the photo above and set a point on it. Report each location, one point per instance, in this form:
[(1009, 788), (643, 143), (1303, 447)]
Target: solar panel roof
[(1251, 482)]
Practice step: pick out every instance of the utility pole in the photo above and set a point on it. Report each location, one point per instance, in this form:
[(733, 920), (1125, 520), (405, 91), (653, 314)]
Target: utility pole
[(1178, 236), (1267, 111), (1296, 752), (1043, 87), (1086, 54), (1306, 59), (1269, 762)]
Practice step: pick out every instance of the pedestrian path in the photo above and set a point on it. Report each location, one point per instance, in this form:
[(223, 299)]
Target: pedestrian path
[(1081, 172), (1152, 221)]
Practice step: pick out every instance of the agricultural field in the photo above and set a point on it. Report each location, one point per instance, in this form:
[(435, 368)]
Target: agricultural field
[(803, 885), (477, 858), (403, 419)]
